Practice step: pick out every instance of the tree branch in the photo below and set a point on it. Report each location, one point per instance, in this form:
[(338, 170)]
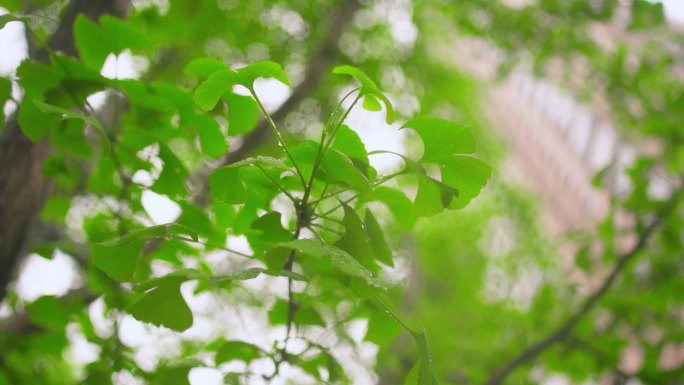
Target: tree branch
[(565, 329)]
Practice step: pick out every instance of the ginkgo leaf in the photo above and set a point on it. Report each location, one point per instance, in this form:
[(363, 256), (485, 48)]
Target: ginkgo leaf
[(172, 375), (49, 312), (263, 69), (8, 18), (211, 138), (467, 174), (399, 204), (344, 262), (441, 138), (66, 114), (272, 230), (96, 41), (237, 350), (210, 91), (424, 374), (348, 142), (171, 180), (36, 78), (355, 240), (204, 67), (119, 258), (34, 123), (338, 167), (378, 242), (428, 201), (226, 185), (371, 103), (368, 88), (163, 305), (118, 261), (243, 113)]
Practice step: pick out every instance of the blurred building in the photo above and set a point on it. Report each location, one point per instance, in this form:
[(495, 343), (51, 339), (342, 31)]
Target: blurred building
[(557, 144)]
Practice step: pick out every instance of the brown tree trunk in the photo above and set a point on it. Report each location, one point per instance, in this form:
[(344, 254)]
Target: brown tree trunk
[(23, 188)]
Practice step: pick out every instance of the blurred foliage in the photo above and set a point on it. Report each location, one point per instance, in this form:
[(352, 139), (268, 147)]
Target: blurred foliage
[(453, 287)]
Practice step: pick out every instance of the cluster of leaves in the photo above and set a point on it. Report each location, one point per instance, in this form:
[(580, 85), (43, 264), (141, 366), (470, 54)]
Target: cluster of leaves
[(328, 238)]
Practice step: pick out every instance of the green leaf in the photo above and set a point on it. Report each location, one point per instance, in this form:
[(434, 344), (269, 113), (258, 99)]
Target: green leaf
[(210, 91), (163, 306), (172, 178), (226, 185), (8, 18), (172, 375), (211, 138), (34, 123), (368, 88), (428, 200), (425, 375), (90, 41), (348, 142), (119, 258), (339, 168), (371, 103), (467, 174), (36, 78), (95, 42), (49, 312), (441, 138), (122, 34), (243, 115), (204, 67), (262, 69), (399, 204), (339, 258), (66, 114), (355, 240), (272, 230), (381, 249), (118, 261), (237, 350)]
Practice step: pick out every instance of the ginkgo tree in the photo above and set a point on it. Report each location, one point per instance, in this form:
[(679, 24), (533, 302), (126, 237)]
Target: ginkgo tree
[(327, 243), (314, 264)]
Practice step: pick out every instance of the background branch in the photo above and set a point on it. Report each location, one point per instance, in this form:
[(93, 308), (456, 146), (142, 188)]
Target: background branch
[(564, 330)]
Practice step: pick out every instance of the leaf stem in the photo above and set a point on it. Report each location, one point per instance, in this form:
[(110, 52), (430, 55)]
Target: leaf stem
[(214, 245), (278, 135), (322, 148), (275, 183)]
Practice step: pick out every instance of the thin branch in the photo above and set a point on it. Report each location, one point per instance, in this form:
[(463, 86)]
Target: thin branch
[(278, 135), (321, 146), (564, 330)]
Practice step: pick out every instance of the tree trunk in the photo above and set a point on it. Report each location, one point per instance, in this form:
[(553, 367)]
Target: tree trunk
[(23, 188)]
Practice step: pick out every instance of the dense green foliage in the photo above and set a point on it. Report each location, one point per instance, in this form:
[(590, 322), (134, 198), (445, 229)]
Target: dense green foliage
[(300, 231)]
